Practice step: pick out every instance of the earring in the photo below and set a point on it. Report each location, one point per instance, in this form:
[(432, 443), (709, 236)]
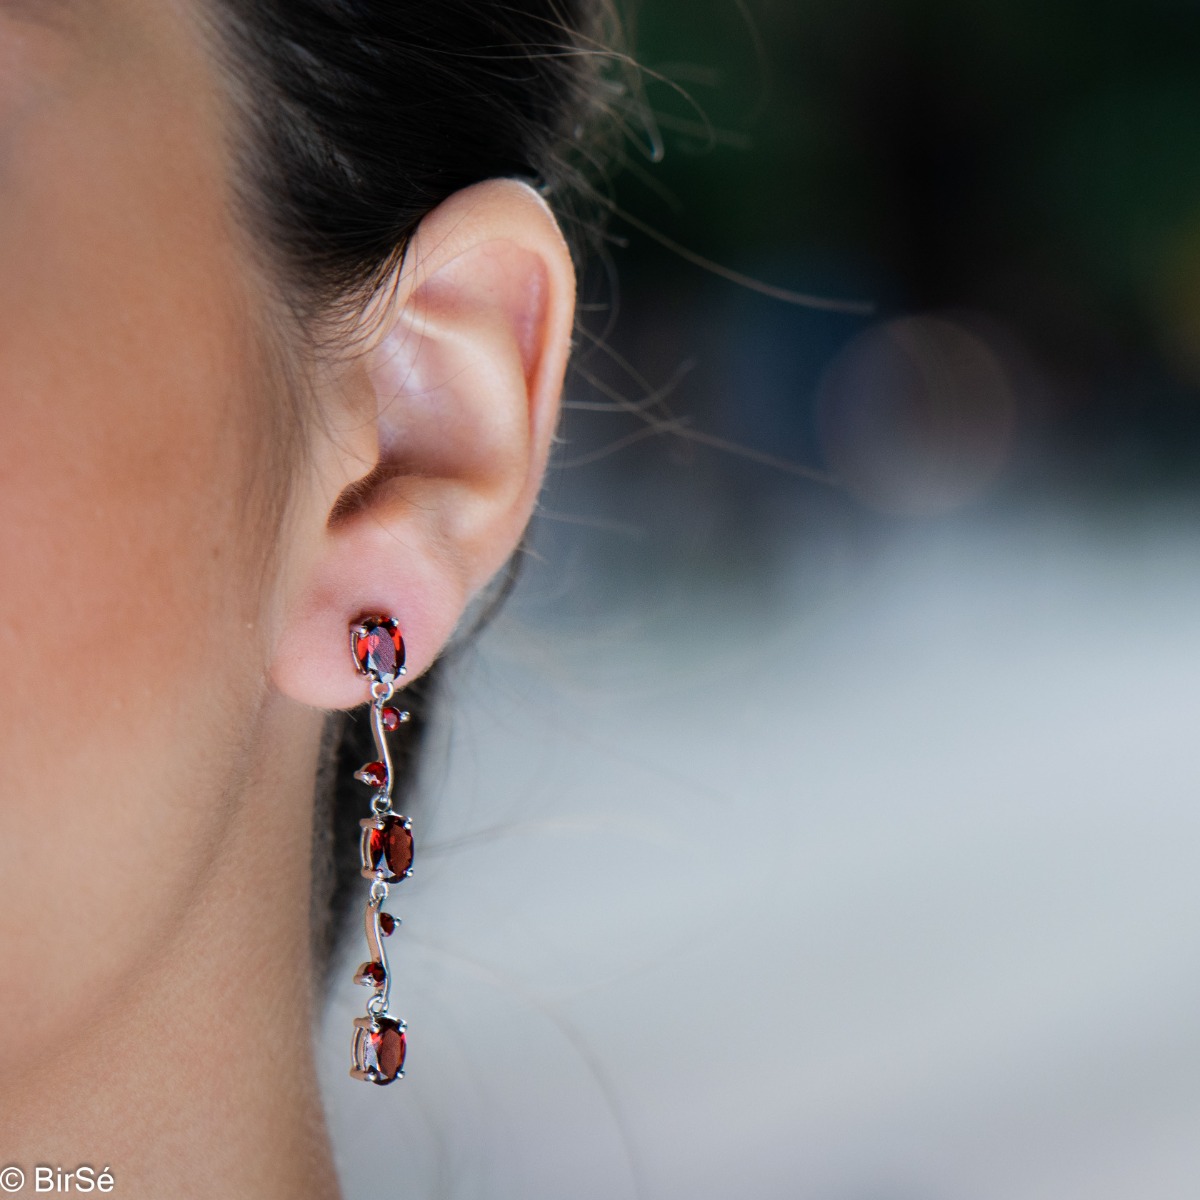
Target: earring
[(377, 1053)]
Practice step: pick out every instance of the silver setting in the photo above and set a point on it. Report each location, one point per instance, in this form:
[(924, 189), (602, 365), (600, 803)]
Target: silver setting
[(377, 1005), (381, 693)]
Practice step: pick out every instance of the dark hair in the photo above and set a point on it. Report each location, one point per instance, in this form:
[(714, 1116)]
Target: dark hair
[(355, 119), (360, 116)]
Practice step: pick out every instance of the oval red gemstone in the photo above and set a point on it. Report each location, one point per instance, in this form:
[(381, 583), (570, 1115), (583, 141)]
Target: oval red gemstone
[(379, 647), (390, 848), (386, 1048), (374, 773), (387, 924), (393, 718)]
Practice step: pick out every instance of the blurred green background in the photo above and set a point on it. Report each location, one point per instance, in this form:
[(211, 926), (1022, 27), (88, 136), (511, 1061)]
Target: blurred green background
[(1030, 170)]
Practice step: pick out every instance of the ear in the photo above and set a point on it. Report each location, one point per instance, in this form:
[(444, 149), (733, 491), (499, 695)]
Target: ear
[(436, 442)]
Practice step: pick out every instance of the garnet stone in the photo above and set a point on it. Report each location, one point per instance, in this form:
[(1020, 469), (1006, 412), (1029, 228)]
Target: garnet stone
[(374, 774), (378, 648), (387, 924), (387, 848), (372, 973), (379, 1049), (393, 718)]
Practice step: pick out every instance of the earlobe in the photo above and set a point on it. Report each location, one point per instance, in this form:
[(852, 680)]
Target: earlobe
[(464, 370)]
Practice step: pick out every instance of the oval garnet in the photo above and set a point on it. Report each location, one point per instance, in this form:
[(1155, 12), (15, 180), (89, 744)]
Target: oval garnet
[(387, 924), (385, 1048), (389, 848), (379, 648)]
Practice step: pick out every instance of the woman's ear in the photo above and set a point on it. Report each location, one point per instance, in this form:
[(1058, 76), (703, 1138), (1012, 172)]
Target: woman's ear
[(438, 435)]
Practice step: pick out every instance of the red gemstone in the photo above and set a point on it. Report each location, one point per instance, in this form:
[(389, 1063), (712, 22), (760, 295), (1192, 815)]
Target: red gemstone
[(374, 773), (389, 848), (371, 972), (385, 1049), (379, 648), (393, 718), (387, 924)]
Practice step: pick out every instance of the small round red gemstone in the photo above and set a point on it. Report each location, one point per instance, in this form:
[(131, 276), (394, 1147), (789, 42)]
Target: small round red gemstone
[(390, 848), (374, 774), (386, 1048), (391, 719), (387, 924), (373, 972)]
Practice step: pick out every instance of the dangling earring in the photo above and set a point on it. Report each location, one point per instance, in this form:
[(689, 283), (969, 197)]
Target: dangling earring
[(379, 1044)]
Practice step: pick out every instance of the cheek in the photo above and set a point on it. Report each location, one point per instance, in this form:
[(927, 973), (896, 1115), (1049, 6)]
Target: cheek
[(128, 607), (126, 398), (132, 527), (127, 424), (117, 524)]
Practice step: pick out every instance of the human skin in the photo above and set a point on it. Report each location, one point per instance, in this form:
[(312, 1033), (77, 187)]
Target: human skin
[(182, 548)]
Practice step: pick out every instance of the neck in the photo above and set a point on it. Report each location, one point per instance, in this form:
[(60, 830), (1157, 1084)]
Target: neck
[(199, 1078)]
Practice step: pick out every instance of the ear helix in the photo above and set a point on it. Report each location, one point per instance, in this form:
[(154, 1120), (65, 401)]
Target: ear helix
[(380, 1042)]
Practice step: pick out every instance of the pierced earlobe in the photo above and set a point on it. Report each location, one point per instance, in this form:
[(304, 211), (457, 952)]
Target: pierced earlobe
[(436, 427)]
